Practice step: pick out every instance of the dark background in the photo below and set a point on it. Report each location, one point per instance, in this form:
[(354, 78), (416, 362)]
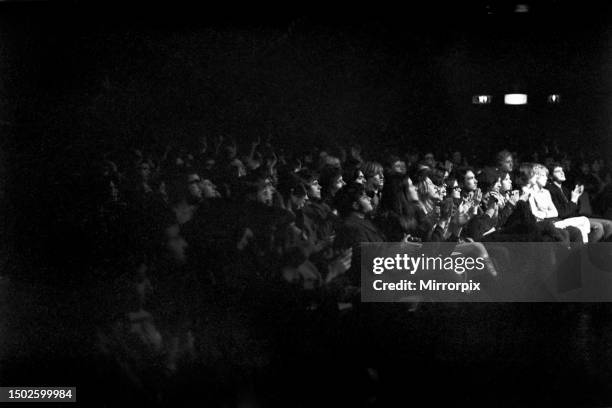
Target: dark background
[(78, 80)]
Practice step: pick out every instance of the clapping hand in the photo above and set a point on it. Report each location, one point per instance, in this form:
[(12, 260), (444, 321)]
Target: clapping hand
[(340, 265), (577, 192)]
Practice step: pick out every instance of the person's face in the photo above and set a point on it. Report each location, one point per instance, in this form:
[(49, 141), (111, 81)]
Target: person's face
[(365, 204), (433, 192), (299, 201), (558, 174), (338, 184), (469, 182), (455, 190), (240, 168), (209, 190), (506, 183), (360, 178), (377, 181), (265, 195), (399, 167), (314, 190), (507, 164), (193, 186), (429, 158), (441, 192), (541, 179), (497, 186), (413, 194)]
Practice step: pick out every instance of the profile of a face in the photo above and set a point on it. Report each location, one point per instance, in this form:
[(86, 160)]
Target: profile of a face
[(506, 183), (433, 192), (314, 190), (540, 179), (456, 190), (209, 189), (337, 185), (360, 178), (507, 164), (558, 174), (299, 202), (469, 182), (497, 186), (193, 186), (413, 194), (377, 181)]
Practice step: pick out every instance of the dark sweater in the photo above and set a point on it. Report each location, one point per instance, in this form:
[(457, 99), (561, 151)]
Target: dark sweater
[(564, 206)]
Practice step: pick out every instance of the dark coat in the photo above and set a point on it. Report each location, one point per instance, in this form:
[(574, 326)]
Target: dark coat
[(564, 206)]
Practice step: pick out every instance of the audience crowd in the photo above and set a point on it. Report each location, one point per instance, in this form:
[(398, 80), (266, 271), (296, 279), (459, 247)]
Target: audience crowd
[(212, 255)]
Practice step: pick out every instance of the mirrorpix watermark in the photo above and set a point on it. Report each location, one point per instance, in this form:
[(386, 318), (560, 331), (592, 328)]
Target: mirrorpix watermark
[(486, 272)]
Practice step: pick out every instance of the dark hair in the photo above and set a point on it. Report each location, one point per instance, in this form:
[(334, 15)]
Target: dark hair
[(553, 166), (307, 176), (347, 196), (290, 184), (371, 168), (450, 180), (392, 159), (437, 175), (250, 184), (462, 172), (328, 176), (487, 179), (394, 197), (525, 170)]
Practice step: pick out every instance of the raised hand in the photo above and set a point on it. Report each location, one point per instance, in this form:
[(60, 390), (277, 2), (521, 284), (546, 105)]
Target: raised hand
[(513, 198), (340, 265), (477, 196), (577, 192)]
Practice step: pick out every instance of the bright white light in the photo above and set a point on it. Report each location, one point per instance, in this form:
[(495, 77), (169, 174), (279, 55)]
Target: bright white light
[(515, 99), (555, 98), (481, 99)]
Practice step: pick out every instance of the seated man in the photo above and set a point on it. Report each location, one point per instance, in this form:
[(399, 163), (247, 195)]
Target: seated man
[(600, 228), (353, 205)]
